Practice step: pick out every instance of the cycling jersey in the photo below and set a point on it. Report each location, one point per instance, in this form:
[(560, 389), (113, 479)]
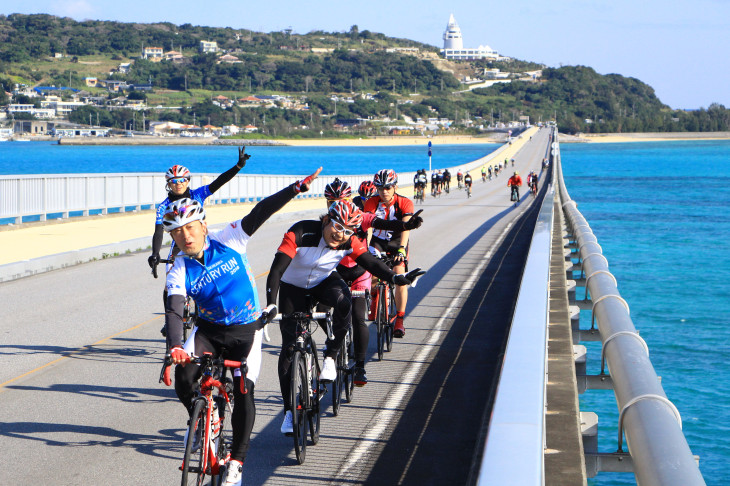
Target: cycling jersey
[(199, 194), (467, 180), (399, 207), (515, 180)]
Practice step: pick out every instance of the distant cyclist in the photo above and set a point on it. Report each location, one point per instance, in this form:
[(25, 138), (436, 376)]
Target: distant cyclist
[(484, 173), (447, 180), (467, 184), (514, 184), (532, 182), (214, 270), (460, 178)]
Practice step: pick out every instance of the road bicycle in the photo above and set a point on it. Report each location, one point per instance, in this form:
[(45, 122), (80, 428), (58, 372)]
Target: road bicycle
[(190, 310), (209, 435), (385, 311), (533, 189), (306, 389), (515, 195), (418, 196), (468, 191)]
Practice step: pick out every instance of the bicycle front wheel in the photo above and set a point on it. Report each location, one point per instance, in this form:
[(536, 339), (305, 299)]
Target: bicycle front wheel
[(338, 383), (381, 321), (300, 399), (392, 311), (193, 468)]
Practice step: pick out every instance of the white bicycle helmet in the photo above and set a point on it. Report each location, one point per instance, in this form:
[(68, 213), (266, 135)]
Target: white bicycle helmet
[(177, 171), (182, 212)]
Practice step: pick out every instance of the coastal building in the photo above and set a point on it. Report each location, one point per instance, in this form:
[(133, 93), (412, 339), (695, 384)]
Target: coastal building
[(454, 46), (174, 56), (206, 47), (152, 53)]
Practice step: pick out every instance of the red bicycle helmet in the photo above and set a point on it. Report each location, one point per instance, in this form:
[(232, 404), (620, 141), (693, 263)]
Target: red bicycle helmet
[(177, 171), (337, 189), (345, 212), (385, 177), (367, 189)]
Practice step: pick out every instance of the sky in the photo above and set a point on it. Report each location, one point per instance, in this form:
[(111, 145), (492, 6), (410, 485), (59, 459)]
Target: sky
[(679, 47)]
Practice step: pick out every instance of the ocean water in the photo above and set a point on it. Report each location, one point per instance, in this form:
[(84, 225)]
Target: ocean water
[(660, 212), (51, 158)]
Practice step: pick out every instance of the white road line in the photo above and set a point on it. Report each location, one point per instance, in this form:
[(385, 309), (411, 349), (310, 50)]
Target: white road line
[(382, 420)]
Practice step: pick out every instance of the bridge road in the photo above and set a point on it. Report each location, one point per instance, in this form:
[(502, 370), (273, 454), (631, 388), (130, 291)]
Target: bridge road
[(80, 354)]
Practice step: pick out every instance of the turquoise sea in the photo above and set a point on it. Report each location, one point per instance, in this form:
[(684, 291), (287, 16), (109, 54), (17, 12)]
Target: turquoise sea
[(659, 210), (660, 213)]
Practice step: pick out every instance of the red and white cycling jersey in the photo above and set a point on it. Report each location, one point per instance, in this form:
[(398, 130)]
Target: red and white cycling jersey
[(398, 208)]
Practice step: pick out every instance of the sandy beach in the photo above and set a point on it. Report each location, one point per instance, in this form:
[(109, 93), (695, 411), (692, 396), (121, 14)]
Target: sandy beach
[(641, 137)]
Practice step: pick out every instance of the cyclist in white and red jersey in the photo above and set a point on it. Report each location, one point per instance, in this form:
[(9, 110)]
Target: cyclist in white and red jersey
[(213, 268), (304, 265), (357, 277), (390, 205)]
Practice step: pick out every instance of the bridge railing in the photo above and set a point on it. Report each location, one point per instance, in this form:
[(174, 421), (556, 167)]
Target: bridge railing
[(515, 442), (652, 424)]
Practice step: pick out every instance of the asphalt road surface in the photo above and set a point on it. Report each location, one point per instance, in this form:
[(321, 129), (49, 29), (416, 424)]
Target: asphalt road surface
[(80, 356)]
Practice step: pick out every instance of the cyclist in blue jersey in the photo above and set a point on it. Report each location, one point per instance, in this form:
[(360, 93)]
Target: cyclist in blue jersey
[(213, 268), (178, 187)]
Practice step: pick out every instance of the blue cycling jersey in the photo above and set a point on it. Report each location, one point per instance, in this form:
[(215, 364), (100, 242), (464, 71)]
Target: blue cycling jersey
[(224, 288), (199, 194)]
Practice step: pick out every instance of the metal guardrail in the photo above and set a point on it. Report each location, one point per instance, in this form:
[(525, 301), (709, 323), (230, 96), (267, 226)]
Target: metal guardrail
[(67, 195), (652, 424), (515, 443)]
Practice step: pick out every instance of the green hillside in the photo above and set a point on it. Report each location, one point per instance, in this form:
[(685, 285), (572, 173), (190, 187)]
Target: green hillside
[(382, 79)]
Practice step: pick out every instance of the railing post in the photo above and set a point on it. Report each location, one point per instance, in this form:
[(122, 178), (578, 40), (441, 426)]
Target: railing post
[(44, 191)]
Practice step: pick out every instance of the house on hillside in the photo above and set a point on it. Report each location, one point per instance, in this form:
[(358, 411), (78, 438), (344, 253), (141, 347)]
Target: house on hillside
[(207, 46), (228, 59), (153, 54), (174, 56)]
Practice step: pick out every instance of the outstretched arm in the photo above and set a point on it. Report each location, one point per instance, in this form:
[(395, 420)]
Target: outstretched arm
[(278, 267), (222, 179), (270, 205)]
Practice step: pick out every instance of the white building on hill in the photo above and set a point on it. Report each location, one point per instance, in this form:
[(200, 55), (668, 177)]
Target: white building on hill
[(454, 46)]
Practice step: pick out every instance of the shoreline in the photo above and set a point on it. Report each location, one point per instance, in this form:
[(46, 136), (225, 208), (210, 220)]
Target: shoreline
[(383, 141)]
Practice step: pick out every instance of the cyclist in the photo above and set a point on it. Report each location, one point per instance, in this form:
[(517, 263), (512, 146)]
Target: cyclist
[(459, 178), (513, 161), (489, 172), (447, 180), (467, 183), (420, 180), (304, 265), (390, 205), (178, 182), (366, 190), (532, 181), (484, 173), (434, 183), (216, 273), (514, 184)]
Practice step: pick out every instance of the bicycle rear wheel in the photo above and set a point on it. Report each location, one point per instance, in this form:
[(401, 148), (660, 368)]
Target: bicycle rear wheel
[(338, 383), (347, 382), (381, 321), (300, 399), (318, 391), (193, 467), (392, 311)]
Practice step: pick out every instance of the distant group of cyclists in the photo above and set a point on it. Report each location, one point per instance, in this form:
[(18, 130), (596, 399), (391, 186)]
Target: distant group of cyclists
[(325, 258)]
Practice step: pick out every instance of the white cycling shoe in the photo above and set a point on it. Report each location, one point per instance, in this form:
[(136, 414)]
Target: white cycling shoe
[(234, 473), (329, 370)]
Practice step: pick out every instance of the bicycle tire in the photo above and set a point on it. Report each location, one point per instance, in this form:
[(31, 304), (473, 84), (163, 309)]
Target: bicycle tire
[(348, 380), (299, 398), (337, 383), (318, 391), (382, 319), (193, 461), (392, 312)]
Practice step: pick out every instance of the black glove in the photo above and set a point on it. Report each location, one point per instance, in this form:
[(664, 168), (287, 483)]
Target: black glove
[(153, 260), (407, 278), (268, 314), (242, 157), (415, 222)]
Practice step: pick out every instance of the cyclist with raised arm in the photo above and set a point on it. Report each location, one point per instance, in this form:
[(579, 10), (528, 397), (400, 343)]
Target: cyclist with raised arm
[(178, 187), (214, 270), (304, 265), (514, 184), (392, 206)]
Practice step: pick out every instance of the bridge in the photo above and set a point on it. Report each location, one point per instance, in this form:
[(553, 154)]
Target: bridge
[(483, 389)]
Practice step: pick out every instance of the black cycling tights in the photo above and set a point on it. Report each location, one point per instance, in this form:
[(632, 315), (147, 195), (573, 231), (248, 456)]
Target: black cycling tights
[(332, 292), (237, 340)]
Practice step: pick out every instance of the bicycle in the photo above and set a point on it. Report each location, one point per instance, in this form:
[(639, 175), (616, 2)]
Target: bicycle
[(345, 379), (209, 435), (385, 312), (468, 191), (418, 196), (515, 195), (190, 310), (306, 389), (533, 189)]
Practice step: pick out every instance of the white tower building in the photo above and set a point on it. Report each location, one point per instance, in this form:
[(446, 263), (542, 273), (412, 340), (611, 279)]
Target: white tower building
[(452, 36)]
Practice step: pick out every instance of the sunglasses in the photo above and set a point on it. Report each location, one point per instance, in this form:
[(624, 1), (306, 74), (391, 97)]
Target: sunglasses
[(180, 180), (386, 187), (341, 229)]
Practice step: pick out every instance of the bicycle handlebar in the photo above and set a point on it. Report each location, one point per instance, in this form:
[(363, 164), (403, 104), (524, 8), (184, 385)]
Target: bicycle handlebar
[(162, 260)]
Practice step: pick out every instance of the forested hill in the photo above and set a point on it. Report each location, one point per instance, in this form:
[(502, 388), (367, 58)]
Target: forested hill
[(383, 79)]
